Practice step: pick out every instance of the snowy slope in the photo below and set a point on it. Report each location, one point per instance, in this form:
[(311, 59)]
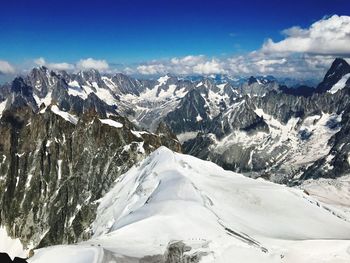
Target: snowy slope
[(111, 123), (76, 254), (340, 84), (65, 115), (154, 102), (13, 247), (220, 215), (2, 106)]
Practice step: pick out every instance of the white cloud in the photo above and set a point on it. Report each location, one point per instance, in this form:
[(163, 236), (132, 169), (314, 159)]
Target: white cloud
[(82, 64), (55, 66), (318, 61), (6, 67), (269, 62), (328, 36), (255, 63), (183, 65), (128, 71), (91, 63), (266, 65), (188, 60), (152, 69), (209, 67), (40, 61), (61, 66)]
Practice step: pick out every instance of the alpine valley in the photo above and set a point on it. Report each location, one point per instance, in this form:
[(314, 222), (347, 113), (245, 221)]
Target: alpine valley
[(99, 168)]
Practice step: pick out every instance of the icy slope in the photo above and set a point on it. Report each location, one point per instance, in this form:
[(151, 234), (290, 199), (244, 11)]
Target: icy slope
[(220, 215)]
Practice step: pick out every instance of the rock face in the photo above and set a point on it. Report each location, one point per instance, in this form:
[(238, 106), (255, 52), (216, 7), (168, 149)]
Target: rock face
[(191, 114), (59, 154)]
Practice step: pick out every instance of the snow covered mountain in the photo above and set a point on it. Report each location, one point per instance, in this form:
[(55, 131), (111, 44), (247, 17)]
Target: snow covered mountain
[(66, 138), (281, 135), (59, 153), (177, 208)]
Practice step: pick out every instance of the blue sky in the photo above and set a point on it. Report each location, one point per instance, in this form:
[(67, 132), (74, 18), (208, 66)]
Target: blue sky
[(126, 33)]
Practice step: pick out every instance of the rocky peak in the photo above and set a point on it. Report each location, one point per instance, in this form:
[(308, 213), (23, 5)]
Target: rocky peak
[(40, 72), (126, 85), (338, 69), (65, 75), (87, 77), (167, 137), (252, 80), (172, 79), (42, 80), (258, 86), (190, 115), (90, 75), (210, 84), (339, 63)]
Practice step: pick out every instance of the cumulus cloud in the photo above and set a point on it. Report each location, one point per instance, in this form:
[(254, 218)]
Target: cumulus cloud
[(183, 65), (152, 69), (328, 36), (188, 60), (176, 65), (255, 63), (55, 66), (6, 67), (83, 64), (91, 63), (209, 67), (61, 66), (128, 71), (267, 65)]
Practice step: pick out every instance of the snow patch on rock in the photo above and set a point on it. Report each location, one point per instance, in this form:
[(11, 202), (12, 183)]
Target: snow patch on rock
[(111, 123), (65, 115)]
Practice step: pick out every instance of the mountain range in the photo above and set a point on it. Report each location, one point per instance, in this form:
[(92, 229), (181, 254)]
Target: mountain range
[(225, 120), (73, 167)]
